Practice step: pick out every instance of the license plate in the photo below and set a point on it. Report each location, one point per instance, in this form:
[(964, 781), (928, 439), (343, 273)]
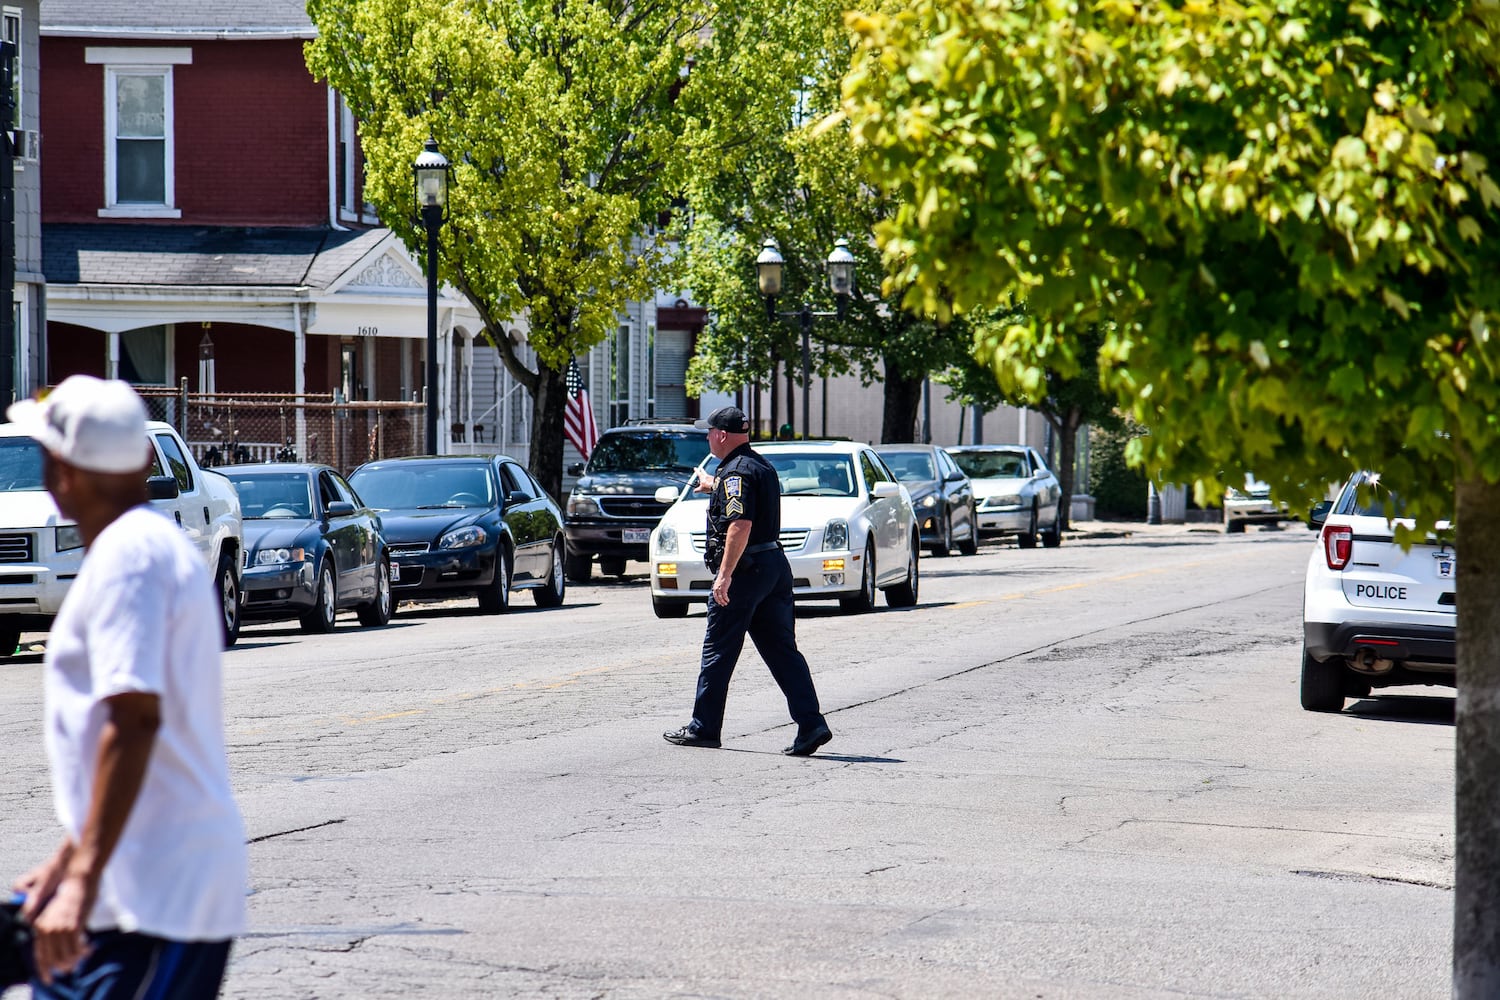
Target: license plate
[(395, 572), (1446, 564), (635, 536)]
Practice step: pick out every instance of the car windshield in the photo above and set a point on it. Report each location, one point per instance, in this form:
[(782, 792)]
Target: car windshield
[(910, 466), (816, 474), (991, 464), (634, 451), (408, 485), (20, 465), (273, 494), (710, 466)]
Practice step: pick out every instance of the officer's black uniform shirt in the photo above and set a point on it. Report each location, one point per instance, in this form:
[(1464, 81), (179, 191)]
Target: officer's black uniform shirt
[(747, 488)]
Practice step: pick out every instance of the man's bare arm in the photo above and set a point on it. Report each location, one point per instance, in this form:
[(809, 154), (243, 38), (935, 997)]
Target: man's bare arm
[(125, 745)]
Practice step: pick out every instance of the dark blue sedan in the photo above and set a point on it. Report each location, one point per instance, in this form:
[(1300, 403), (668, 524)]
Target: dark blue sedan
[(466, 525), (312, 547)]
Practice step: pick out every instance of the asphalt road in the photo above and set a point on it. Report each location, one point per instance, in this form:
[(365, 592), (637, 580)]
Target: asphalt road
[(1079, 772)]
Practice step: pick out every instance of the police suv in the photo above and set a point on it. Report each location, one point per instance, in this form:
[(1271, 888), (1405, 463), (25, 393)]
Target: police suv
[(1374, 614)]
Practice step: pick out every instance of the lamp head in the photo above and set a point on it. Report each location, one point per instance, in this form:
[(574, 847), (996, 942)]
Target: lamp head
[(430, 172), (768, 267), (841, 270)]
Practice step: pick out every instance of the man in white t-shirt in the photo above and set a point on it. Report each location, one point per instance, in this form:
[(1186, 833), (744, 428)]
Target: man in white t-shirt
[(147, 890)]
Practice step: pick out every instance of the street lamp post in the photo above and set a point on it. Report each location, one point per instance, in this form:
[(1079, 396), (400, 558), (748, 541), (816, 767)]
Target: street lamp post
[(430, 180), (768, 272)]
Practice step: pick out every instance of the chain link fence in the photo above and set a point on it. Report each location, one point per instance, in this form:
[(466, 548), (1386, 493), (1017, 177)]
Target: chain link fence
[(238, 428)]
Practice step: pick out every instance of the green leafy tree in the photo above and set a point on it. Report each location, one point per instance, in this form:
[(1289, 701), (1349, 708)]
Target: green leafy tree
[(1288, 211), (799, 184), (572, 125)]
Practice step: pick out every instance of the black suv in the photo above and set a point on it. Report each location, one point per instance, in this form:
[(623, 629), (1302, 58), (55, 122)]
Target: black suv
[(613, 508)]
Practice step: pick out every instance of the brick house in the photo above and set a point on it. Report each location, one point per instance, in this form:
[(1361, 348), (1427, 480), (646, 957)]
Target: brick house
[(202, 217)]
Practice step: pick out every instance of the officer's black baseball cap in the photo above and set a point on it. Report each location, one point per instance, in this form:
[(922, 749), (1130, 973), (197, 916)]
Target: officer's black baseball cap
[(728, 418)]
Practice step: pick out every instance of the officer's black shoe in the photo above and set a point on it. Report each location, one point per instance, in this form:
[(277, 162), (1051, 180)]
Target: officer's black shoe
[(807, 745), (688, 737)]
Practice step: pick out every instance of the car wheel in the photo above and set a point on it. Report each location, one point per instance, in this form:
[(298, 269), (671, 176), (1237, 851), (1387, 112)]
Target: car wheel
[(970, 546), (1234, 527), (378, 611), (1052, 537), (945, 544), (325, 605), (10, 639), (551, 593), (669, 608), (495, 599), (1322, 684), (1027, 538), (904, 594), (579, 567), (612, 566), (865, 599), (227, 586)]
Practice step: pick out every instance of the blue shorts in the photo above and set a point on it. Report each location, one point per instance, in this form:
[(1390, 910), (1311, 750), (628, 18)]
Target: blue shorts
[(141, 967)]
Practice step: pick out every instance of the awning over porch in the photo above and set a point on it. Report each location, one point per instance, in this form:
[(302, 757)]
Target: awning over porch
[(358, 286)]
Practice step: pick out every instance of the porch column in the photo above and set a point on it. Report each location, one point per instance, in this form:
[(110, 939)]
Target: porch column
[(299, 377), (112, 355), (468, 374)]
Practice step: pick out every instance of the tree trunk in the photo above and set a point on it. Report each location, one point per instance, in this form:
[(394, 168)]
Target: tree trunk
[(1066, 430), (547, 402), (1476, 888), (903, 398)]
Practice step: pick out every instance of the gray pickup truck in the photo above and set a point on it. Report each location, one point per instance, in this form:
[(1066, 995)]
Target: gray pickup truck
[(40, 550)]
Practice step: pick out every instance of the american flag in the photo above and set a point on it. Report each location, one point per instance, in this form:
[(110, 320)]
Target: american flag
[(578, 414)]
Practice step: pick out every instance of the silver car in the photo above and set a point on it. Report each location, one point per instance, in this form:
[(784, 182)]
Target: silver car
[(1014, 491)]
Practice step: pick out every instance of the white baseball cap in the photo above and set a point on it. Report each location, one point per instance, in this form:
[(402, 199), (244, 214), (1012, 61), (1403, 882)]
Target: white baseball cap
[(88, 422)]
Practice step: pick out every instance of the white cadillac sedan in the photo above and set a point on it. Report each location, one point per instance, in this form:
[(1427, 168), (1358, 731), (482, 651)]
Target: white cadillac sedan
[(846, 526)]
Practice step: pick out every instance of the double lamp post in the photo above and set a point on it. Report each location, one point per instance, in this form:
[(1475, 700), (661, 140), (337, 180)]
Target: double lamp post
[(430, 180), (768, 273)]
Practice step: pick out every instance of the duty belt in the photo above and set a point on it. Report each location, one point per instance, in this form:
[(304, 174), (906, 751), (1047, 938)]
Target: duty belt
[(750, 550)]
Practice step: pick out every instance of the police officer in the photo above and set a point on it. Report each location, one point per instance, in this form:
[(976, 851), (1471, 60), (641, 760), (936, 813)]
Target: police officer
[(752, 591)]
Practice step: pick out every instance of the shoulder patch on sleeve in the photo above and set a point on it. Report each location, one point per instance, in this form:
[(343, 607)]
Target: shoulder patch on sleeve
[(734, 486)]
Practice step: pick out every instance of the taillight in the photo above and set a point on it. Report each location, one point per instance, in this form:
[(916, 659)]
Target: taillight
[(1338, 544)]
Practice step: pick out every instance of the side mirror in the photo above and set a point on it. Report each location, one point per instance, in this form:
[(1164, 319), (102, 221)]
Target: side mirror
[(515, 498), (955, 477), (162, 487), (340, 508), (667, 494), (1318, 514), (576, 469), (883, 491)]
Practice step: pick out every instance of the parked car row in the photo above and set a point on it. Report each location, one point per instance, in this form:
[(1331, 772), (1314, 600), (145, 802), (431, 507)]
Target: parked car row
[(855, 518), (958, 495), (290, 540)]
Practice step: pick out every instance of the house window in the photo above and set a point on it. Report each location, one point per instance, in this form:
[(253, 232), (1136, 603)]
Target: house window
[(144, 355), (619, 410), (10, 31), (139, 180), (352, 206), (138, 137)]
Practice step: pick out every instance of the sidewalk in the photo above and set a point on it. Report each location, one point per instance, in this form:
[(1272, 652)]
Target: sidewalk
[(1087, 530)]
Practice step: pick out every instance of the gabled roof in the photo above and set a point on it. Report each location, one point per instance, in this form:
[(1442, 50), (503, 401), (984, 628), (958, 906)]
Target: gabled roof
[(162, 19), (136, 254)]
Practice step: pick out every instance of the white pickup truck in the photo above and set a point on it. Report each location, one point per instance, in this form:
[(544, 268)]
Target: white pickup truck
[(40, 550)]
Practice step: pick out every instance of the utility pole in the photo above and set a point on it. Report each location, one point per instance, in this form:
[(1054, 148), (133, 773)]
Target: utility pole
[(7, 224)]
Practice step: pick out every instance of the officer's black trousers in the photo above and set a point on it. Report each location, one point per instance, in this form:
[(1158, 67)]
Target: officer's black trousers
[(760, 603)]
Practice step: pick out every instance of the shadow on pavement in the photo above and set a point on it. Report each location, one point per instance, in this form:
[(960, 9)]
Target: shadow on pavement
[(840, 758), (1426, 710)]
